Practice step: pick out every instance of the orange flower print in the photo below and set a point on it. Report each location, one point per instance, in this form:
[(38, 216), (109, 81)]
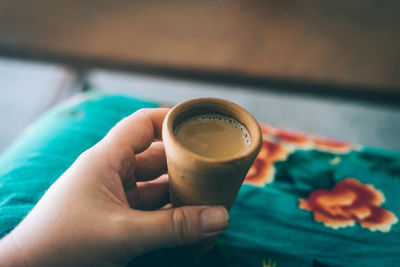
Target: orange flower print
[(296, 140), (287, 137), (262, 171), (331, 145), (268, 129), (348, 202), (278, 144)]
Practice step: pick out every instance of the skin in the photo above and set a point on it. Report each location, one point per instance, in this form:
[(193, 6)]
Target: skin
[(107, 207)]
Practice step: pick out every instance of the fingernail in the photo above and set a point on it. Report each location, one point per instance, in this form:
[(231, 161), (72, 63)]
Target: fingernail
[(214, 219)]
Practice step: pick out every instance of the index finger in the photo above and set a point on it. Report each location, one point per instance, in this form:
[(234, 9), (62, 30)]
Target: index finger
[(137, 131)]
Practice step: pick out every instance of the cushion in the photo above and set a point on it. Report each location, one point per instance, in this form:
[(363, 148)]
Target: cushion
[(306, 201)]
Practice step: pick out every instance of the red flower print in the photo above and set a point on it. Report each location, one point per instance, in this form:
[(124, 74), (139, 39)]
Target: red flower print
[(348, 202)]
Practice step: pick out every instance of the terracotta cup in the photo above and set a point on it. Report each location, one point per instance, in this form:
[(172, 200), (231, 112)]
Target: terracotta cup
[(199, 180)]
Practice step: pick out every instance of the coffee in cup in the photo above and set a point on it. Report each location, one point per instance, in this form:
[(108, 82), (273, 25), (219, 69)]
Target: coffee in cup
[(213, 135)]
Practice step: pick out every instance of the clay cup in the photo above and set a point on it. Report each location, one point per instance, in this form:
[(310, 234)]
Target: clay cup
[(199, 180)]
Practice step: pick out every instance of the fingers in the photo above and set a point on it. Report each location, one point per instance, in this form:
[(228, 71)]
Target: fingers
[(151, 163), (175, 227), (139, 130), (130, 136), (153, 195)]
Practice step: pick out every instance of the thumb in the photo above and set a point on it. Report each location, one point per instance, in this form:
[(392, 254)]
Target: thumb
[(178, 226)]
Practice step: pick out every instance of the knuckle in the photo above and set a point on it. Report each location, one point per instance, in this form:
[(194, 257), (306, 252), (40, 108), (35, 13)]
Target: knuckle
[(86, 155), (143, 111), (181, 226)]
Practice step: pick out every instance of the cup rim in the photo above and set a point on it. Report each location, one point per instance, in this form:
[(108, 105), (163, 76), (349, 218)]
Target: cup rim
[(251, 122)]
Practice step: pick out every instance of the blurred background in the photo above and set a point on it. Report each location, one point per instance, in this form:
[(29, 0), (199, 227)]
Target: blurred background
[(321, 66)]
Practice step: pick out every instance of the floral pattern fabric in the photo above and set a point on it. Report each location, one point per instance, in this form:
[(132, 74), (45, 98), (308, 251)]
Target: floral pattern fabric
[(306, 201), (348, 202), (278, 144)]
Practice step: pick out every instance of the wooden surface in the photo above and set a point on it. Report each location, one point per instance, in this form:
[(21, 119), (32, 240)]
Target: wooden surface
[(350, 43)]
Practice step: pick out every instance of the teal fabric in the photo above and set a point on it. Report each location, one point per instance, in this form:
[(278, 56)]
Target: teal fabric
[(267, 226), (50, 145)]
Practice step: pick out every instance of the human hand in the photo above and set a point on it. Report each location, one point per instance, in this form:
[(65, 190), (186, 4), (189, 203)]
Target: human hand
[(105, 209)]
